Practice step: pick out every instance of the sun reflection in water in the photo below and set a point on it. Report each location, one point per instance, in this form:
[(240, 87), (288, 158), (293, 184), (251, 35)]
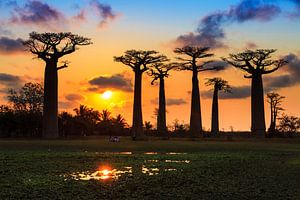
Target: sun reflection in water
[(101, 174), (149, 168)]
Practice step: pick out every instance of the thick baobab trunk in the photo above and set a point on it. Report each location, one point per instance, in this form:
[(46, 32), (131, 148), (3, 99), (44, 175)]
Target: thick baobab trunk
[(161, 119), (137, 121), (215, 113), (258, 126), (50, 120), (195, 119)]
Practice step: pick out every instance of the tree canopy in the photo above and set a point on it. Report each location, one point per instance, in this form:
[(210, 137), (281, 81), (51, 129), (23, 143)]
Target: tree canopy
[(140, 60), (255, 62), (49, 46)]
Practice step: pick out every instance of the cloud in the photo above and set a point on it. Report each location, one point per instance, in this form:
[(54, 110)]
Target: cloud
[(105, 13), (74, 97), (171, 101), (175, 102), (291, 78), (81, 16), (116, 81), (251, 45), (238, 92), (4, 31), (10, 46), (37, 13), (9, 81), (66, 104), (220, 65), (71, 101), (210, 31)]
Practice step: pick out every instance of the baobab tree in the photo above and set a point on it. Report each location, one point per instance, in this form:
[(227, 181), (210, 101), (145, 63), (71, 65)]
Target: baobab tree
[(256, 64), (160, 71), (275, 100), (191, 63), (219, 85), (50, 47), (139, 61)]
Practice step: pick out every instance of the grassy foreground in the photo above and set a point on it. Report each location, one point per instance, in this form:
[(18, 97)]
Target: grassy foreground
[(247, 169)]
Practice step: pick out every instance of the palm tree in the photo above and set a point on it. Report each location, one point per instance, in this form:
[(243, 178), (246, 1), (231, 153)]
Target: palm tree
[(160, 71), (219, 85), (50, 47), (139, 62), (191, 63), (256, 64)]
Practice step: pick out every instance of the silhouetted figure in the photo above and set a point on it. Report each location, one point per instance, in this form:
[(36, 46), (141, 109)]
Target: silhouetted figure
[(50, 47), (219, 85), (139, 62), (160, 71), (191, 63), (275, 100), (256, 63)]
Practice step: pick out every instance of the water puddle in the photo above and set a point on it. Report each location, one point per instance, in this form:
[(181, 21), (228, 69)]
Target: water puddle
[(151, 153), (103, 174), (149, 167), (174, 153), (177, 161), (110, 174)]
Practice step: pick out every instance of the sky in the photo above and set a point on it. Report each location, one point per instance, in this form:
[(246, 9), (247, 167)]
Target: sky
[(119, 25)]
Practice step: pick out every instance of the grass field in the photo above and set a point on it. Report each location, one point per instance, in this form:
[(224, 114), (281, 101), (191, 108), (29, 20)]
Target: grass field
[(246, 169)]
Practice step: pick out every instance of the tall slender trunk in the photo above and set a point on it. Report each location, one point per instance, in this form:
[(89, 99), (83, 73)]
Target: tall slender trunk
[(258, 125), (195, 119), (215, 113), (275, 118), (161, 119), (50, 119), (272, 128), (137, 121)]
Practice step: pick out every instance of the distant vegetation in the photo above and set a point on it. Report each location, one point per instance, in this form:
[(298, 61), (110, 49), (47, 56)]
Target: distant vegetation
[(22, 117)]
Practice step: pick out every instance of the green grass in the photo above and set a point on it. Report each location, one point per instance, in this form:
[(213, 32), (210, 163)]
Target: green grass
[(245, 169)]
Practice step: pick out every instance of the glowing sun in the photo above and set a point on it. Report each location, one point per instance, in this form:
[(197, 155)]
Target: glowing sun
[(107, 95)]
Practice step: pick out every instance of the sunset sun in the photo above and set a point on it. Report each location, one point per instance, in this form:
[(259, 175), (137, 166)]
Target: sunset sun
[(107, 95)]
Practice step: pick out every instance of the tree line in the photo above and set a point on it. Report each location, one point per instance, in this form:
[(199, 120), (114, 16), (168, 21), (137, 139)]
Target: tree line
[(22, 117), (50, 47)]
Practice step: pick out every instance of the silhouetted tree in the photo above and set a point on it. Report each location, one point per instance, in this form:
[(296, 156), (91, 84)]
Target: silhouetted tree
[(26, 106), (256, 63), (139, 62), (119, 124), (66, 123), (148, 125), (160, 71), (219, 85), (105, 123), (7, 121), (191, 63), (87, 117), (289, 125), (50, 47), (29, 98), (275, 100)]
